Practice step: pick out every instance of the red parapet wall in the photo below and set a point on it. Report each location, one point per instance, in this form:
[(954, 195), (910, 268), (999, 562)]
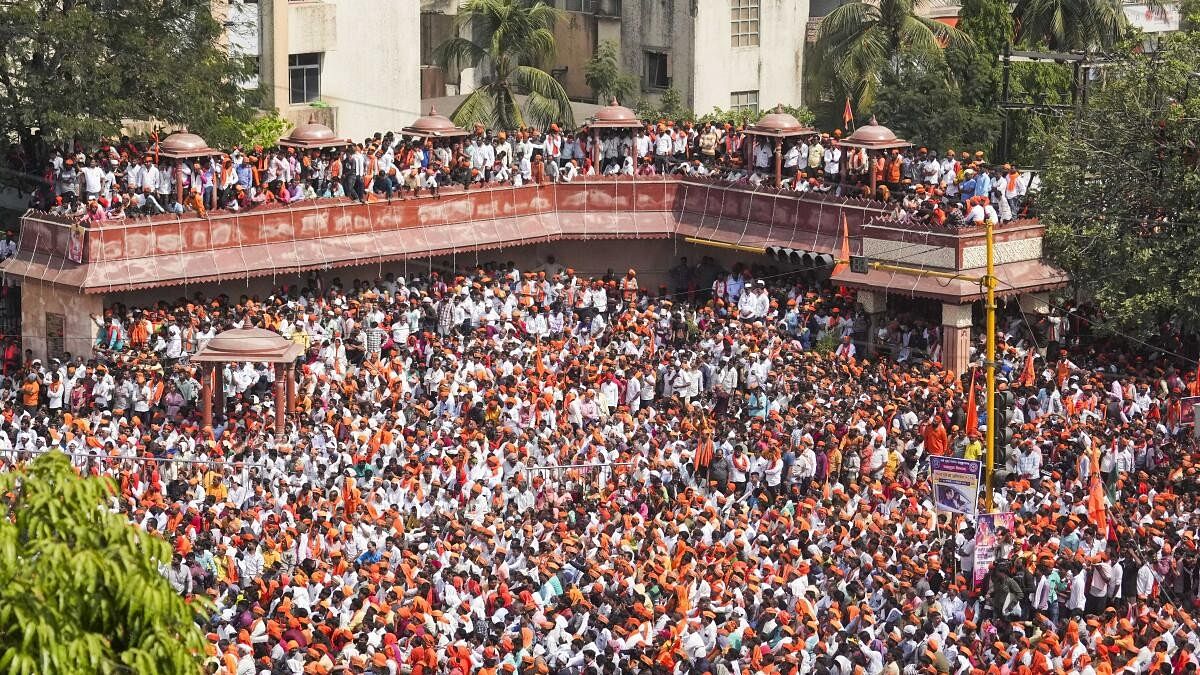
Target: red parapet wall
[(166, 250)]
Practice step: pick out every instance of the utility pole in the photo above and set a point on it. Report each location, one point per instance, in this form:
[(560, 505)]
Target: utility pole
[(1080, 65), (989, 282)]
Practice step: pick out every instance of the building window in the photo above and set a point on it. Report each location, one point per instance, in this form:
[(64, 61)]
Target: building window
[(574, 5), (744, 100), (743, 23), (304, 76), (656, 71)]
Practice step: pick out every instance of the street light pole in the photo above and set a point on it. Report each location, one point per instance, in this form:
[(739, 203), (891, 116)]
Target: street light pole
[(989, 281)]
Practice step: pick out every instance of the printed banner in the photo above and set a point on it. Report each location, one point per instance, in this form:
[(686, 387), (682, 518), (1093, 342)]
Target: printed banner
[(955, 484), (987, 527), (76, 243), (1187, 410)]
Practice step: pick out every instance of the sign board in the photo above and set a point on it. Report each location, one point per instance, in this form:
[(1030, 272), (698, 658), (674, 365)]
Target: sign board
[(987, 529), (55, 333), (1187, 414), (859, 264), (955, 484), (75, 243)]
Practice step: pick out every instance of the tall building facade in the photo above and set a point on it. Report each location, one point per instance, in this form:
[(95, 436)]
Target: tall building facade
[(350, 64), (714, 53)]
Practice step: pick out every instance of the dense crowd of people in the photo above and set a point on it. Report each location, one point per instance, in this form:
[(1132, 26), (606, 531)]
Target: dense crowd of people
[(119, 179), (525, 471)]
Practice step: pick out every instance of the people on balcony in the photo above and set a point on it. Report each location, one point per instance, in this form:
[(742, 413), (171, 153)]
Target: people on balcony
[(130, 180)]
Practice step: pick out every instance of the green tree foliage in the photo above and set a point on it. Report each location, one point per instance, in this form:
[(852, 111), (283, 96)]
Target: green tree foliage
[(669, 107), (604, 75), (746, 116), (1070, 24), (1121, 195), (1048, 83), (80, 590), (920, 105), (261, 130), (975, 73), (516, 36), (861, 40), (78, 67)]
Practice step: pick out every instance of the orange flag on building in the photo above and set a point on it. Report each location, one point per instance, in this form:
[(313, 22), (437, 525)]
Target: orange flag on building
[(843, 257)]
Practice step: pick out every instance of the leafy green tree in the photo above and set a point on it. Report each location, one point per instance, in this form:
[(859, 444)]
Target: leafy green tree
[(1047, 83), (1121, 194), (920, 105), (859, 41), (80, 589), (76, 68), (975, 72), (669, 107), (604, 75), (1070, 24), (515, 38), (745, 116), (261, 130)]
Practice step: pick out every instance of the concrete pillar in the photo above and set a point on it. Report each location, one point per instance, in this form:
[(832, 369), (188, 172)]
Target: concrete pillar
[(289, 374), (778, 162), (218, 387), (273, 50), (956, 337), (596, 150), (206, 395), (874, 303), (1035, 303), (281, 402)]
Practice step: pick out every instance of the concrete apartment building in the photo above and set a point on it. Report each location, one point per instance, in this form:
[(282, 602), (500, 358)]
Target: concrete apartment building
[(350, 64), (715, 53)]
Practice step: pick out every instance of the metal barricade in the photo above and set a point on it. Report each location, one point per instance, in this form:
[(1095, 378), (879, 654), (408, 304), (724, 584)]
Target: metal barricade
[(588, 477)]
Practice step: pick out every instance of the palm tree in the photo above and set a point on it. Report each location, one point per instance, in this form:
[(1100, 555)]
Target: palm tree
[(860, 40), (513, 38), (1070, 24)]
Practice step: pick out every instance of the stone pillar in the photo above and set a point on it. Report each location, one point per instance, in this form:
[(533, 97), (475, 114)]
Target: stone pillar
[(206, 395), (956, 337), (871, 176), (281, 402), (218, 387), (289, 374), (596, 150), (778, 162), (874, 303)]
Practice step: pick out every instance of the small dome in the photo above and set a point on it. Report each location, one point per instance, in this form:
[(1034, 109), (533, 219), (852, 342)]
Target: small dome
[(313, 132), (615, 113), (435, 124), (615, 116), (247, 344), (182, 143), (873, 133), (778, 122)]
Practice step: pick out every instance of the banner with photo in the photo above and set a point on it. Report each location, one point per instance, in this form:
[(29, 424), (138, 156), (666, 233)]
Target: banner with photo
[(955, 484), (987, 527)]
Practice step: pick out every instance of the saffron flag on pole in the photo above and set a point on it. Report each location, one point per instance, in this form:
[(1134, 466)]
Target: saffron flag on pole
[(1097, 505), (972, 410), (843, 256), (847, 114)]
